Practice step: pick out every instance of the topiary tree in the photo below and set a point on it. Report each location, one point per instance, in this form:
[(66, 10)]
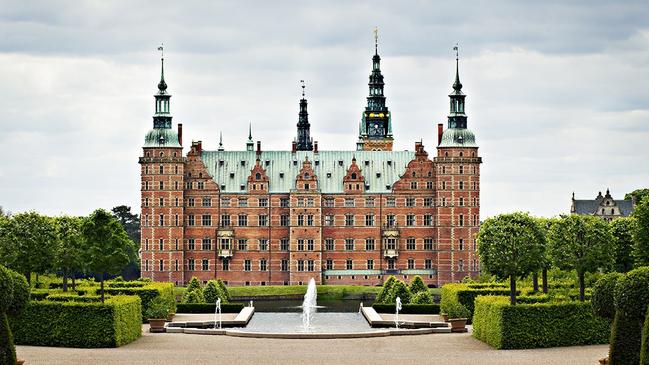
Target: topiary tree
[(603, 296), (211, 292), (194, 296), (641, 234), (422, 297), (622, 231), (193, 284), (385, 290), (511, 246), (644, 351), (631, 303), (582, 243), (417, 285), (398, 289), (224, 291), (14, 294)]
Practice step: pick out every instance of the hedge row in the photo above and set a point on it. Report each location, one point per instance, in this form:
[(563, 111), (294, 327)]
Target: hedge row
[(146, 293), (465, 294), (73, 297), (644, 351), (76, 324), (526, 326), (407, 308), (208, 308)]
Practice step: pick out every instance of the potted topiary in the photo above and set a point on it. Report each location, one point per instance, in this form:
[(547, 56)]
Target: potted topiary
[(457, 316), (157, 314)]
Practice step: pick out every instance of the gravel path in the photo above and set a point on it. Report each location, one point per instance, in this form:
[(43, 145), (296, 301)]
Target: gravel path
[(453, 349)]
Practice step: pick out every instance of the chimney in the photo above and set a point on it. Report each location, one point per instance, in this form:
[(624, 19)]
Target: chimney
[(258, 147), (315, 146), (180, 133), (440, 131), (293, 147)]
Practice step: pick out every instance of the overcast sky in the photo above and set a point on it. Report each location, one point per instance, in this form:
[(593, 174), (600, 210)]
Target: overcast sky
[(558, 92)]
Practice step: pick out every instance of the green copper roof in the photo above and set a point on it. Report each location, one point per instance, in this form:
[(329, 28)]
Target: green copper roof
[(283, 166), (161, 137), (458, 137)]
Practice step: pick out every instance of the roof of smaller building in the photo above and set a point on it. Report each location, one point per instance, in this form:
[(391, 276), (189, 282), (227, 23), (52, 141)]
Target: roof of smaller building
[(458, 137), (592, 206)]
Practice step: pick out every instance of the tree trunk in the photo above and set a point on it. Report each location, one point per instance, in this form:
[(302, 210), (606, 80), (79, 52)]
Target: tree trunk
[(29, 278), (7, 348), (544, 280), (65, 280), (512, 289), (74, 282), (535, 281), (582, 286), (102, 287)]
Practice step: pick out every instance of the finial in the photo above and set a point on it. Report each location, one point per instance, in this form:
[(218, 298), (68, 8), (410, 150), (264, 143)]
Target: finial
[(457, 85), (302, 81), (220, 141), (162, 85), (376, 40), (249, 131)]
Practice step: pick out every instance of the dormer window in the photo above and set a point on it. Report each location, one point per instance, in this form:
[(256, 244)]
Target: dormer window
[(295, 163), (367, 163), (328, 175), (281, 175), (243, 163), (317, 163), (353, 176), (232, 175), (378, 174), (221, 162), (267, 162), (257, 176), (389, 162), (306, 176)]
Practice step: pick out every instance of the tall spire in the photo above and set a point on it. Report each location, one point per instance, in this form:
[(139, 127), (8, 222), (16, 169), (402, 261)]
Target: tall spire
[(162, 116), (303, 142), (376, 40), (457, 85), (456, 117), (250, 144)]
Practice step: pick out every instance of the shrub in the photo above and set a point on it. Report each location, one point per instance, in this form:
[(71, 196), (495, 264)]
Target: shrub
[(63, 297), (40, 294), (644, 351), (407, 308), (212, 291), (466, 294), (74, 324), (632, 293), (224, 290), (208, 308), (193, 296), (456, 310), (603, 298), (417, 285), (526, 326), (158, 308), (625, 341), (398, 289), (385, 290), (422, 297), (126, 284), (193, 284), (14, 295), (147, 293)]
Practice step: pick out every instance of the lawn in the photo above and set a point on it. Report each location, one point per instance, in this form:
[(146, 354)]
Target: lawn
[(331, 292)]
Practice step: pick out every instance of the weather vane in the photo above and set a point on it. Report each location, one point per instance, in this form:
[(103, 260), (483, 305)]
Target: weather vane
[(457, 50), (376, 39), (302, 81), (161, 49)]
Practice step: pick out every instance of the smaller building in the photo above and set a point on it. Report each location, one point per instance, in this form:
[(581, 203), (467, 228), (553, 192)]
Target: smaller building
[(603, 206)]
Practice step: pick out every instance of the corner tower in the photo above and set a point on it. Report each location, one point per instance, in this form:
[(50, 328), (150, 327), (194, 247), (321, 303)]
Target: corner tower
[(458, 191), (162, 168), (375, 130)]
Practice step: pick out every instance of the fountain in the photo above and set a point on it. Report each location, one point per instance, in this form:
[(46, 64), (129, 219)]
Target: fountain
[(397, 308), (217, 310), (309, 305)]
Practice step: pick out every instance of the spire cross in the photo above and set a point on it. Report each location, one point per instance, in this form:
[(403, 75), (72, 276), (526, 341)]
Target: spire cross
[(376, 40), (162, 50), (302, 81)]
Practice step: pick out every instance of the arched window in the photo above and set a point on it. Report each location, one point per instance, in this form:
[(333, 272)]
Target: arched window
[(257, 176), (414, 174), (306, 176), (461, 154), (353, 176)]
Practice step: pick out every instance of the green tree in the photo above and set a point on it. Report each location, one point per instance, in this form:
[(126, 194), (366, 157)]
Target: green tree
[(398, 289), (422, 297), (69, 246), (582, 243), (546, 262), (622, 231), (131, 224), (106, 244), (511, 246), (417, 285), (14, 294), (194, 284), (641, 234), (211, 292), (224, 290), (638, 194), (385, 290)]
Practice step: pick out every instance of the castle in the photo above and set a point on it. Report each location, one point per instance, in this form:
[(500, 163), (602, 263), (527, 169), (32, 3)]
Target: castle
[(257, 217)]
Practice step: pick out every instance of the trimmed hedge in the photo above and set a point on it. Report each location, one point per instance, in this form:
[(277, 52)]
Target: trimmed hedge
[(626, 336), (208, 307), (526, 326), (466, 294), (146, 293), (76, 324), (63, 297), (407, 308), (644, 352), (126, 284), (603, 299)]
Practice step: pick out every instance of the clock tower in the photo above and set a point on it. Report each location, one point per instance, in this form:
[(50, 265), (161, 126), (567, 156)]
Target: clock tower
[(375, 131)]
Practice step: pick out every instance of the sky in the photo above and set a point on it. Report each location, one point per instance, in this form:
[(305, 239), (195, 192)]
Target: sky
[(557, 91)]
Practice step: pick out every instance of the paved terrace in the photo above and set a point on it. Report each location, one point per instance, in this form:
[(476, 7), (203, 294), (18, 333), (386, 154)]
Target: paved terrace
[(455, 349)]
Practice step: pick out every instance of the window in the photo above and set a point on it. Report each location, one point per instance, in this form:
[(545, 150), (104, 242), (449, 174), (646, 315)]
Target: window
[(310, 265), (428, 264), (225, 220), (349, 244), (300, 265), (370, 264), (390, 220), (146, 265), (461, 185), (191, 244), (410, 243), (263, 220), (243, 202), (413, 185), (428, 244), (300, 219), (329, 244), (390, 202), (349, 220), (263, 244), (300, 202), (161, 244), (460, 220), (283, 220), (349, 202), (242, 244), (300, 245), (206, 244), (460, 245), (428, 219), (225, 202), (225, 265), (201, 185), (225, 243), (410, 202), (190, 220), (349, 264), (429, 185), (410, 219), (310, 246), (391, 243), (461, 170), (176, 265), (176, 220), (146, 202), (263, 202), (263, 265), (309, 219), (328, 202), (283, 244), (247, 265), (162, 220), (369, 220), (390, 264), (161, 265), (329, 264), (161, 202), (461, 202), (310, 202), (190, 202), (207, 220), (411, 263), (190, 265), (284, 265), (329, 220), (369, 244), (283, 202), (162, 185), (369, 202), (207, 201), (243, 220), (205, 265), (460, 265)]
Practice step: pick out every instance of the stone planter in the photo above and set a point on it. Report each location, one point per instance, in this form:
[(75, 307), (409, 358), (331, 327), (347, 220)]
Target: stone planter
[(458, 324), (170, 317), (157, 325)]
